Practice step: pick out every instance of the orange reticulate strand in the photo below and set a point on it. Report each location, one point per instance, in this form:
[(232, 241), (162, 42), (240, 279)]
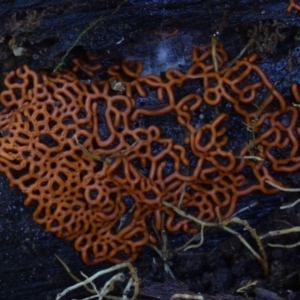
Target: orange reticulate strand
[(86, 200), (293, 5)]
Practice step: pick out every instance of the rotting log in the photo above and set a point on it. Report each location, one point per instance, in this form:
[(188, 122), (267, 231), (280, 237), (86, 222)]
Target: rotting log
[(45, 29)]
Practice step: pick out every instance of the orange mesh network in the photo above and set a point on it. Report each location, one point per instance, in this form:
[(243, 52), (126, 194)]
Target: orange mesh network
[(104, 201)]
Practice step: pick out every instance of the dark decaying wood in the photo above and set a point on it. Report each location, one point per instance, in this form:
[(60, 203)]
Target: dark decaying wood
[(44, 30)]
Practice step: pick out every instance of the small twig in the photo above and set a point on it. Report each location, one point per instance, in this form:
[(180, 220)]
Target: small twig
[(194, 237), (290, 275), (263, 258), (183, 186), (108, 159), (185, 215), (86, 152), (252, 127), (251, 143), (108, 287), (94, 287), (244, 209), (100, 273), (88, 298), (156, 232), (241, 53), (200, 243), (240, 237), (290, 205), (281, 232), (246, 286), (124, 217), (127, 289), (262, 105), (284, 222), (257, 158), (164, 242), (91, 25), (121, 152), (164, 237), (155, 249), (249, 127), (186, 296), (284, 246), (160, 253), (293, 190), (71, 274), (222, 224), (214, 42)]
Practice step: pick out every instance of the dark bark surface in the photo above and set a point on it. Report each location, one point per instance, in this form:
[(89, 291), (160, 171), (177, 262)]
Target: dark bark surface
[(45, 30)]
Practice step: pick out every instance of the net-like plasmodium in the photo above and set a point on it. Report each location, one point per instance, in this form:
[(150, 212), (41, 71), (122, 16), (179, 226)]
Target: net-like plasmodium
[(133, 166)]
